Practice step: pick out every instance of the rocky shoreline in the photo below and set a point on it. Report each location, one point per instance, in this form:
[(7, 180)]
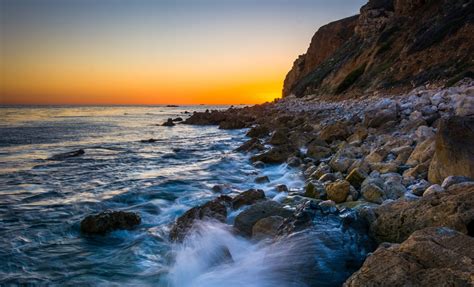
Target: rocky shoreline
[(401, 165)]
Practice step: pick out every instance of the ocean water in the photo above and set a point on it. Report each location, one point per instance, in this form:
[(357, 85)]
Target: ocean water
[(43, 201)]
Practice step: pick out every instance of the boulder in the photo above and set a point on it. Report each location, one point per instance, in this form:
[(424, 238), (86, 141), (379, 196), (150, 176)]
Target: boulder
[(454, 208), (323, 168), (433, 189), (108, 221), (465, 105), (294, 161), (253, 144), (258, 131), (169, 123), (338, 191), (436, 256), (336, 131), (318, 152), (267, 227), (383, 112), (452, 180), (356, 177), (372, 189), (275, 155), (454, 149), (215, 210), (423, 152), (281, 188), (247, 198), (279, 137), (245, 221), (315, 189)]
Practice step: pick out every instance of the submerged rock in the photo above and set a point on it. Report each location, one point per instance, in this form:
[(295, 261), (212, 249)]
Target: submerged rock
[(214, 210), (63, 156), (429, 257), (108, 221)]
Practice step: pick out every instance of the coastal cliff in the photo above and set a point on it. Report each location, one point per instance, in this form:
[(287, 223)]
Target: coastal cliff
[(392, 46)]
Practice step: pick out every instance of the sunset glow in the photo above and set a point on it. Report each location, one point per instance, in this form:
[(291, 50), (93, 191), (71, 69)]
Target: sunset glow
[(153, 52)]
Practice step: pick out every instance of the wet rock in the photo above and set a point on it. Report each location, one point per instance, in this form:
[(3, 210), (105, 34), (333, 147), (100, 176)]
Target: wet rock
[(328, 177), (169, 123), (245, 221), (178, 119), (338, 191), (108, 221), (454, 208), (262, 179), (429, 257), (221, 188), (281, 188), (258, 164), (258, 131), (452, 180), (247, 198), (267, 227), (275, 155), (232, 124), (321, 169), (279, 137), (454, 149), (318, 152), (294, 161), (335, 131), (356, 177), (214, 210), (315, 189), (149, 141), (63, 156), (253, 144)]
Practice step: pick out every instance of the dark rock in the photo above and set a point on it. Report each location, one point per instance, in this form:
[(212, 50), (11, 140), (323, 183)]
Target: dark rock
[(262, 179), (338, 191), (436, 256), (247, 198), (279, 137), (356, 177), (232, 124), (63, 156), (281, 188), (454, 149), (149, 141), (335, 131), (215, 210), (315, 189), (275, 155), (259, 131), (245, 221), (108, 221), (178, 119), (294, 161), (253, 144), (169, 123), (267, 227), (452, 180)]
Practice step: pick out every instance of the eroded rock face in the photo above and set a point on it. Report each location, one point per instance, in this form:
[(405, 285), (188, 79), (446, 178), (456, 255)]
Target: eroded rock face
[(215, 210), (108, 221), (454, 209), (429, 257), (454, 149)]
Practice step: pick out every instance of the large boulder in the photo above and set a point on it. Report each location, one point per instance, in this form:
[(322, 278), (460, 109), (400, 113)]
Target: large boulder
[(108, 221), (267, 227), (245, 221), (454, 149), (454, 208), (215, 210), (436, 256), (338, 191), (247, 197)]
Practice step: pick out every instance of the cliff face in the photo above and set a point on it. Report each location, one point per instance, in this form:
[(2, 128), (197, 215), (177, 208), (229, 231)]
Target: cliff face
[(392, 44)]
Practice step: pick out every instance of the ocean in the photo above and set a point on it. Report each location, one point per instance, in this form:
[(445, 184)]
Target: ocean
[(43, 201)]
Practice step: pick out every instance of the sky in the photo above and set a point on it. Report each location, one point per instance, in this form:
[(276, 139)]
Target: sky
[(155, 52)]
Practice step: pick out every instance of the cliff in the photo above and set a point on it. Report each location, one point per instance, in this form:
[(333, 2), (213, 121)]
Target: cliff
[(391, 45)]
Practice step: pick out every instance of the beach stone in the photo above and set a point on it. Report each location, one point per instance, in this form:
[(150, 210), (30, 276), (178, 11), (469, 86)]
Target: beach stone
[(318, 152), (245, 221), (377, 155), (429, 257), (372, 190), (294, 161), (356, 177), (214, 210), (315, 189), (322, 168), (433, 189), (398, 219), (454, 149), (169, 123), (465, 105), (452, 180), (381, 113), (419, 188), (262, 179), (424, 132), (338, 191), (107, 221), (336, 131), (247, 198), (384, 167), (360, 134), (423, 152), (267, 227)]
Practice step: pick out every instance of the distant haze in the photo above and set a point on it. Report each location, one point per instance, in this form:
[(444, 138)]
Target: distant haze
[(155, 52)]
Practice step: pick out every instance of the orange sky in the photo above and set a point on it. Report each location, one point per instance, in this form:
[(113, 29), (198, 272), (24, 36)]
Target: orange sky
[(154, 52)]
